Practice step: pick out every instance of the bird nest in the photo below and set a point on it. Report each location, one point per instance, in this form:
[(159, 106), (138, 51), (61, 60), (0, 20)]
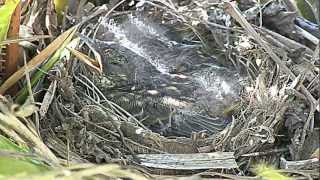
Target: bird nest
[(274, 116)]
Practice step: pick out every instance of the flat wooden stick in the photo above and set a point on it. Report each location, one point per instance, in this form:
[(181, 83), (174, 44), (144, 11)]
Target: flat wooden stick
[(216, 160)]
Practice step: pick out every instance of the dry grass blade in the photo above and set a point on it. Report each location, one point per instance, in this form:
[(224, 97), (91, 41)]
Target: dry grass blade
[(95, 64), (12, 134), (47, 99), (231, 9), (9, 120), (17, 40), (37, 60)]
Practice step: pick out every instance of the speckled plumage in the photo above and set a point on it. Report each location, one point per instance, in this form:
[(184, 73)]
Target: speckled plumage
[(186, 91)]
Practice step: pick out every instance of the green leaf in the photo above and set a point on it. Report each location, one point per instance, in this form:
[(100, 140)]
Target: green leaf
[(11, 166), (305, 9), (60, 7), (269, 173), (6, 144), (6, 12)]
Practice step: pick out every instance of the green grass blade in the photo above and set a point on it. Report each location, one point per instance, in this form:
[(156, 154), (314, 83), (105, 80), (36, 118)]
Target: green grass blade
[(23, 93)]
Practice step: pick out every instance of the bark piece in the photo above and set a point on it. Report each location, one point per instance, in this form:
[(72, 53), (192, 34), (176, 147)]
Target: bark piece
[(216, 160)]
